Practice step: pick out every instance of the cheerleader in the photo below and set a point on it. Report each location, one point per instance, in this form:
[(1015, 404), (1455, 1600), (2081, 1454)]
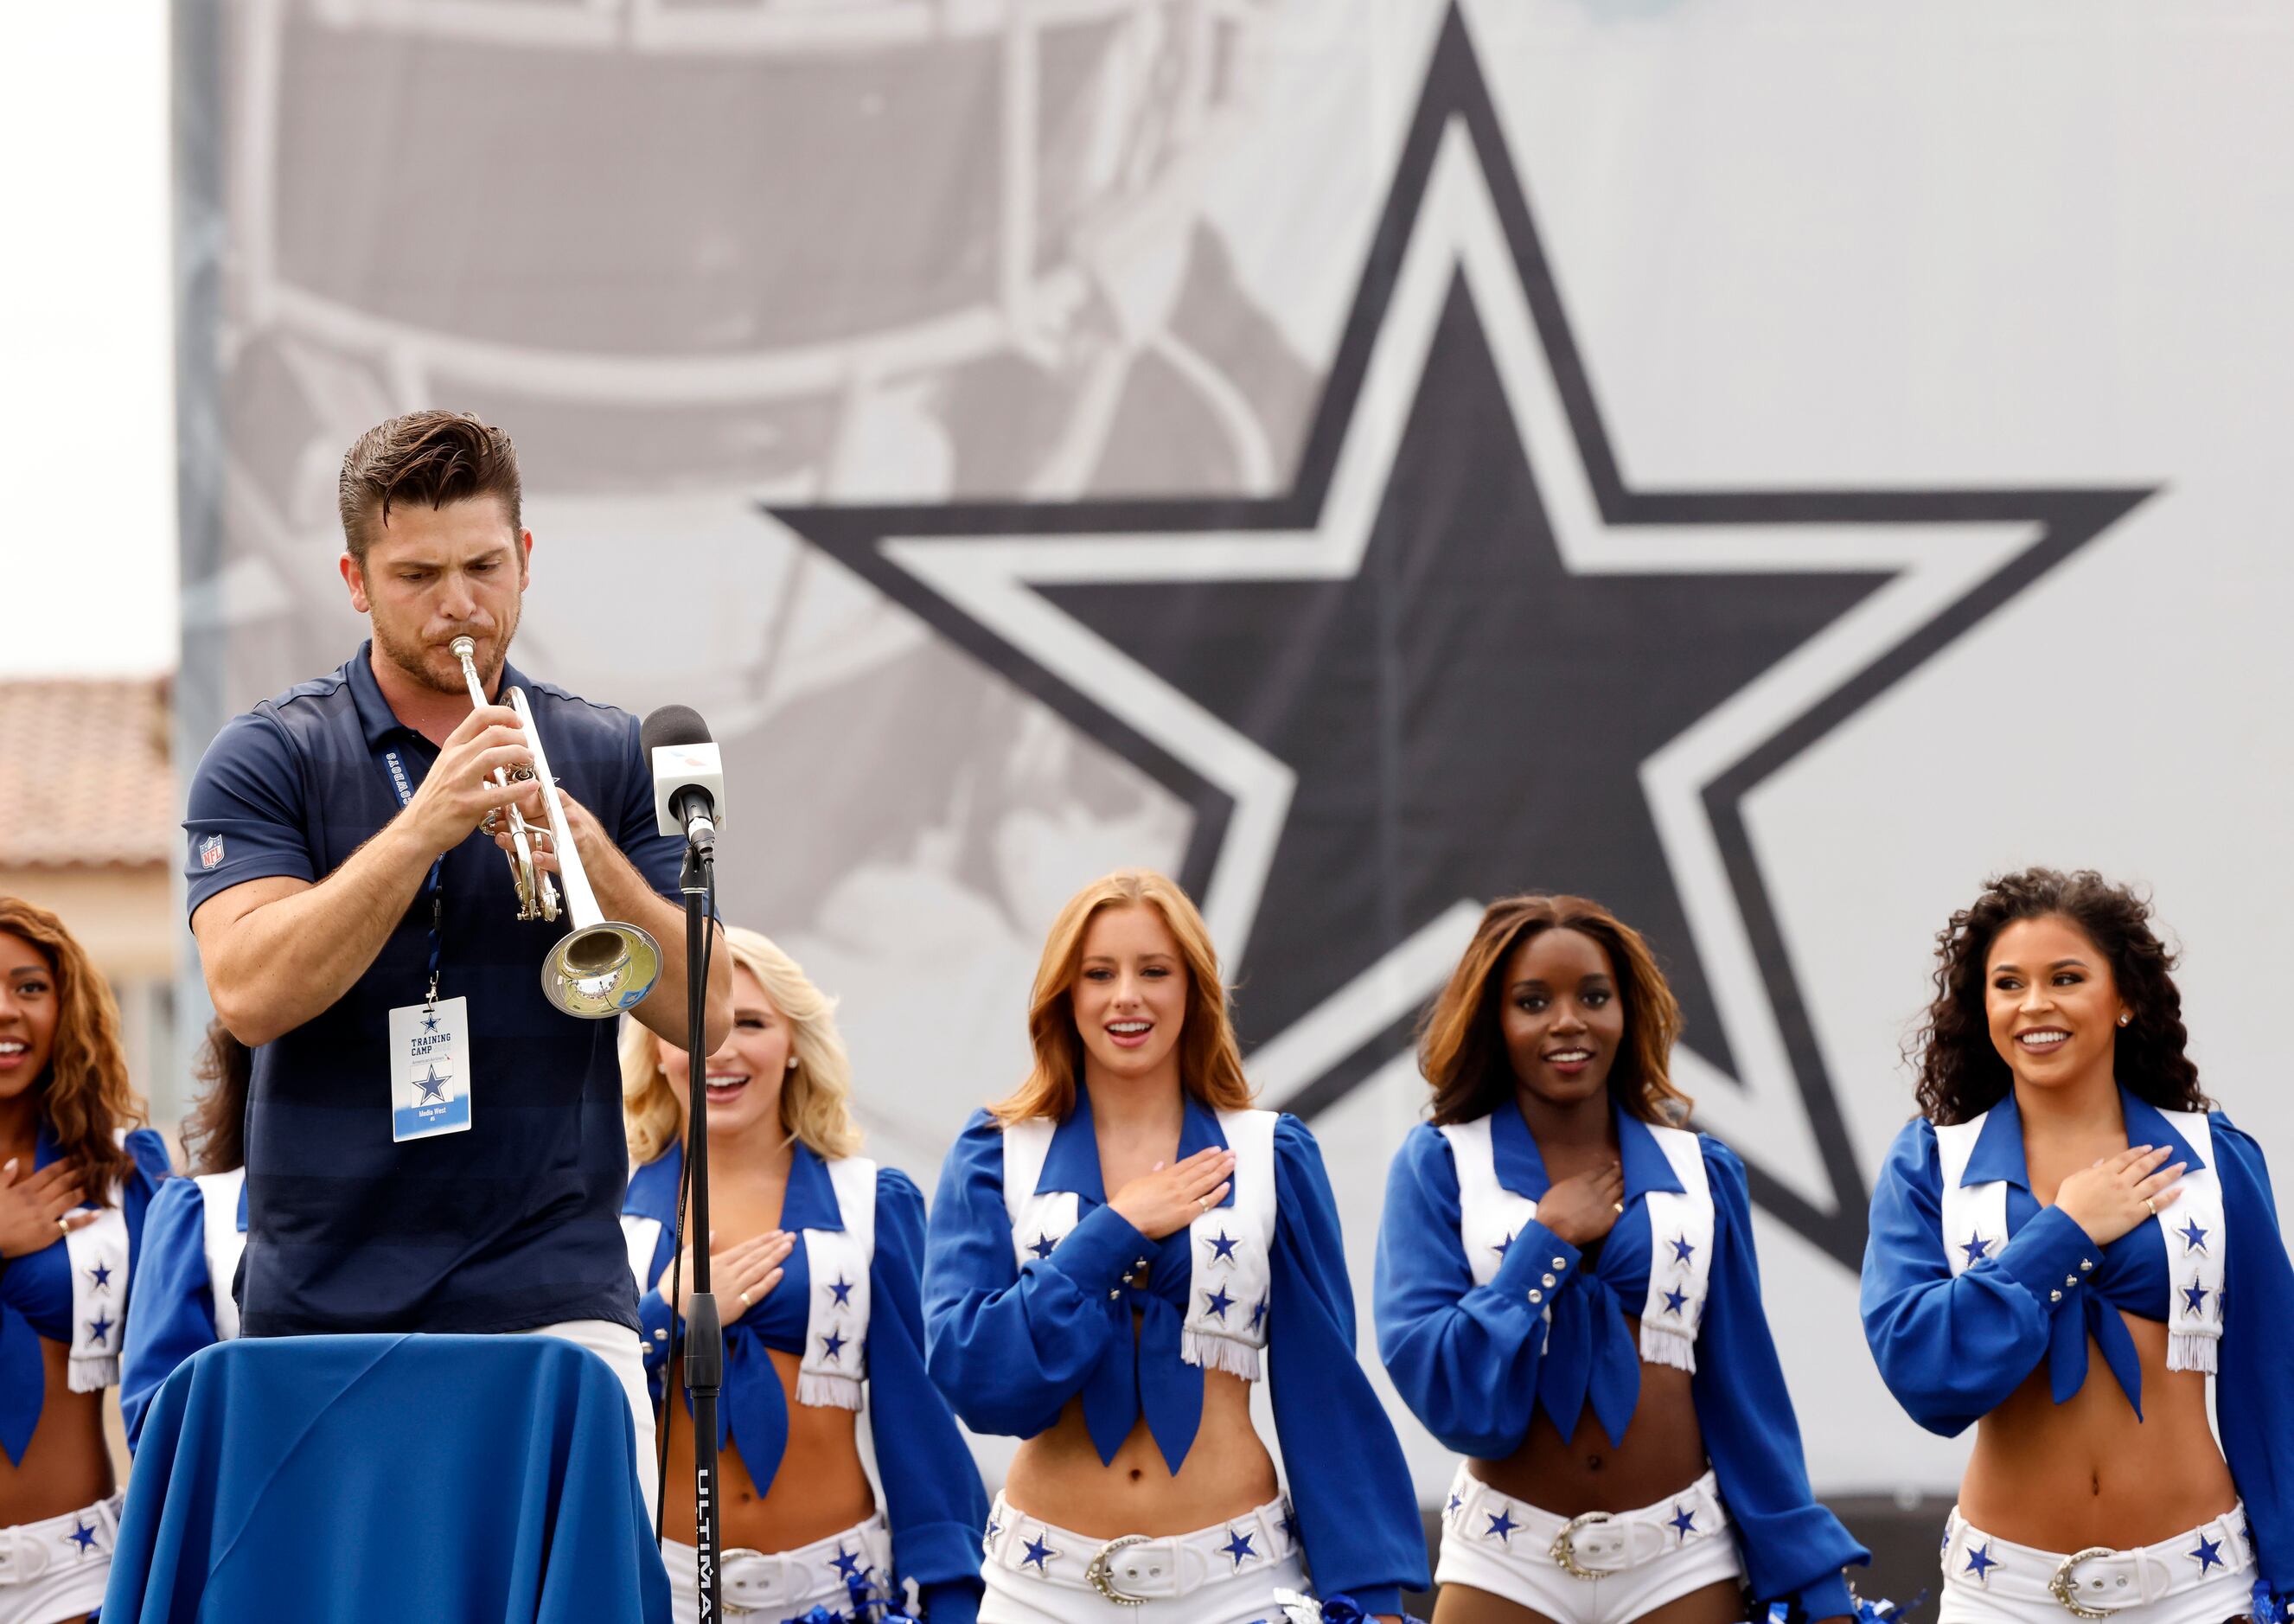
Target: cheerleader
[(814, 1265), (1567, 1296), (2066, 1193), (1121, 1334), (74, 1181), (192, 1236)]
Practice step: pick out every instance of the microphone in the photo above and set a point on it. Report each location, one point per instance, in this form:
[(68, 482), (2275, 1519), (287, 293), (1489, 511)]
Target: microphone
[(688, 776)]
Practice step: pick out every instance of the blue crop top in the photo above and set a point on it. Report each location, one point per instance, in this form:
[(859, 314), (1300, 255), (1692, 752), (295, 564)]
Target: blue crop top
[(1011, 1347), (934, 1501), (1952, 1348), (36, 1292), (1474, 1363)]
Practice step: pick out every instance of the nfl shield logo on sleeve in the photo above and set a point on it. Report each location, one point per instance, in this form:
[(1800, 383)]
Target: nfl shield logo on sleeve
[(210, 851)]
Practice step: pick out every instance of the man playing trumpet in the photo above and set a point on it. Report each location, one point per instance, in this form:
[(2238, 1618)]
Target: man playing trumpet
[(431, 1145)]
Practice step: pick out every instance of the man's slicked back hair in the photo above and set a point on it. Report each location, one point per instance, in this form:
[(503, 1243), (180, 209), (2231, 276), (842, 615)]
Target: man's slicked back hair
[(434, 457)]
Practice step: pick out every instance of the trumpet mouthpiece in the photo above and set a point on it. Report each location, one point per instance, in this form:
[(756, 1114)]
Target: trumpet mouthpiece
[(461, 648)]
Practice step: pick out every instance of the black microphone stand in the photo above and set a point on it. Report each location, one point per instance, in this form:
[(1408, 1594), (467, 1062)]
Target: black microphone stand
[(704, 1337)]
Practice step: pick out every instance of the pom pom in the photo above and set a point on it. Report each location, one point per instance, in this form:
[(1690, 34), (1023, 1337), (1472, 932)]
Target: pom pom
[(2269, 1606), (1306, 1610)]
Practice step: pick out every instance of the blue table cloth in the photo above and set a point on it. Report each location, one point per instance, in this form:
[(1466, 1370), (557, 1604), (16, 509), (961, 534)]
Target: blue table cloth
[(377, 1480)]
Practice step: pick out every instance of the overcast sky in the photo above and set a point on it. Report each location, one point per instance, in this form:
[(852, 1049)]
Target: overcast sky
[(87, 421)]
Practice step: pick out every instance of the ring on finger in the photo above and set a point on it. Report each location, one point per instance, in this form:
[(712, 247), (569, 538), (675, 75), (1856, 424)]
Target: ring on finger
[(1203, 1201), (63, 1226), (744, 1299), (2151, 1205), (1616, 1206)]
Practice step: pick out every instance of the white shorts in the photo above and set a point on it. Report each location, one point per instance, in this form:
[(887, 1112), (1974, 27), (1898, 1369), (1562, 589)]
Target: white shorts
[(1629, 1562), (1038, 1573), (57, 1569), (618, 1346), (765, 1588), (2203, 1577)]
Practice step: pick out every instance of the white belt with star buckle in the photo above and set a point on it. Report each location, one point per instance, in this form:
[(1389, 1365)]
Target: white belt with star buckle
[(1133, 1569)]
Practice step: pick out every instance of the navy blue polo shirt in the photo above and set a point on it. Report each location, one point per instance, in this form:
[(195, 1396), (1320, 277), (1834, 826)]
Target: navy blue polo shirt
[(515, 1223)]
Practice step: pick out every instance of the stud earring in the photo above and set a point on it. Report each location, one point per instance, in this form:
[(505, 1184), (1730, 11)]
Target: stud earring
[(791, 1064), (2125, 1016)]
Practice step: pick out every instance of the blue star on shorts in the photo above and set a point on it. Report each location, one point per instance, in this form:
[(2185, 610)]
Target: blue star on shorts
[(2209, 1554), (1039, 1555), (1501, 1528), (1238, 1545), (1980, 1562), (1683, 1524)]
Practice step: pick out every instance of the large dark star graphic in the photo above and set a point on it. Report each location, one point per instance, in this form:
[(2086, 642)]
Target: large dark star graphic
[(1461, 657)]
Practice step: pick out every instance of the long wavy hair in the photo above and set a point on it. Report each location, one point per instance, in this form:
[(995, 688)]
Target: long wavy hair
[(1461, 1049), (215, 1129), (1962, 1074), (86, 1097), (1210, 1061), (816, 1093)]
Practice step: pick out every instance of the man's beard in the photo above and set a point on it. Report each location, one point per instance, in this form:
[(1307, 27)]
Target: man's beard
[(410, 655)]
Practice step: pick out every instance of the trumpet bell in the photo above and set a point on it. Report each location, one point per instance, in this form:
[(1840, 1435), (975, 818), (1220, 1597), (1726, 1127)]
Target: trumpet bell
[(600, 970)]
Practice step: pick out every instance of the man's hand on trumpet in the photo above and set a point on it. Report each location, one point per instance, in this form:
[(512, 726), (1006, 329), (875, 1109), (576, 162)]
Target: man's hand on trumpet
[(460, 789), (589, 834)]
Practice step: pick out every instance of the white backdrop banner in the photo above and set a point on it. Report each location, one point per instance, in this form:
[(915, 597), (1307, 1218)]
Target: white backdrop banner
[(1764, 466)]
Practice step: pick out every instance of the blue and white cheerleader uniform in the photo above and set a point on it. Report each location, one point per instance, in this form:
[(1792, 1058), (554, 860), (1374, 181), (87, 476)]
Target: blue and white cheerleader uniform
[(192, 1238), (1031, 1286), (1485, 1315), (1969, 1285), (849, 1302), (73, 1291)]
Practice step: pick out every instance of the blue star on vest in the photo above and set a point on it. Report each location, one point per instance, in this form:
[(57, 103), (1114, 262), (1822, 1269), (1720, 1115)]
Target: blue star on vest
[(1675, 1301), (1223, 1249), (83, 1537), (833, 1344), (843, 1289), (1980, 1562), (1501, 1528), (1044, 1245), (1238, 1545), (1258, 1310), (2194, 1297), (1218, 1302), (430, 1021), (1683, 1524), (433, 1087), (1681, 1248), (1039, 1555), (2209, 1554), (2195, 1236), (1976, 1247), (101, 1274), (1500, 1247), (100, 1328), (847, 1564)]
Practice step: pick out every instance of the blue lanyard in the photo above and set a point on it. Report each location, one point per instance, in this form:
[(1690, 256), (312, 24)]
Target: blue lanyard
[(396, 768)]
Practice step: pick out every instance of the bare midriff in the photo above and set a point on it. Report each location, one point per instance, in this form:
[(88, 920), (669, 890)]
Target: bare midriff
[(819, 1491), (1057, 1476), (1662, 1453), (66, 1466), (2065, 1477)]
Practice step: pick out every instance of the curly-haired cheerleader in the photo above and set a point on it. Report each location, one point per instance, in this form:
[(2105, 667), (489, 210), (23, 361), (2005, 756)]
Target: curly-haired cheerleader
[(1567, 1296), (2068, 1193)]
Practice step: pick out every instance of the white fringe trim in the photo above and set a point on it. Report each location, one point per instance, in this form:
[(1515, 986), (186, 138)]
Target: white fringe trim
[(824, 1392), (2193, 1350), (92, 1373), (1660, 1346), (1210, 1352)]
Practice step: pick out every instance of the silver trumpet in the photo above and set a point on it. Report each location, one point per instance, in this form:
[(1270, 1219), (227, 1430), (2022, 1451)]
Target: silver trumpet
[(601, 966)]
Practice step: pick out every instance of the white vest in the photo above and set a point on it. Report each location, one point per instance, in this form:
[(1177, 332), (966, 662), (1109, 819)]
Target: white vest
[(223, 1241), (1231, 1285), (1490, 1216), (834, 1319), (1974, 1218)]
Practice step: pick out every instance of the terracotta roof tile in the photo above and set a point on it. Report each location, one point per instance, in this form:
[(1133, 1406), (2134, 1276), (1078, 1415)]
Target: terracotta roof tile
[(84, 777)]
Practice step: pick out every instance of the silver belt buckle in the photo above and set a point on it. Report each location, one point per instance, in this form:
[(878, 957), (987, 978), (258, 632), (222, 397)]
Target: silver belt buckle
[(1565, 1543), (1102, 1576), (2059, 1585)]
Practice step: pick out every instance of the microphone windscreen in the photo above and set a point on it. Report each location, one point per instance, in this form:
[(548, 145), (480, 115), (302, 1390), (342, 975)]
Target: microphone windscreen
[(671, 724)]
